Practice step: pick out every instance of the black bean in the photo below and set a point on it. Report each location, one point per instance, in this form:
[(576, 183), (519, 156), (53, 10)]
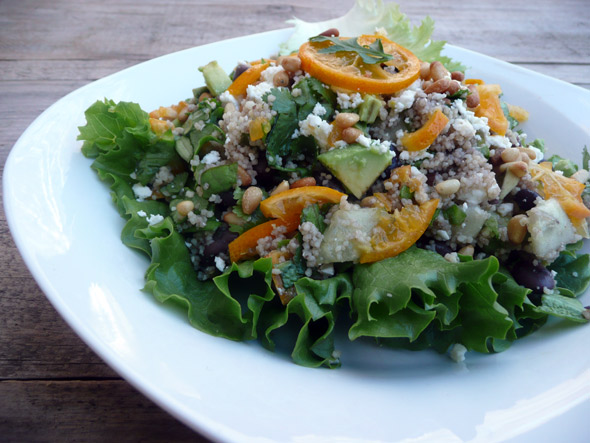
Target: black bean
[(535, 277), (525, 199), (221, 239), (227, 199), (395, 162), (240, 69), (266, 177)]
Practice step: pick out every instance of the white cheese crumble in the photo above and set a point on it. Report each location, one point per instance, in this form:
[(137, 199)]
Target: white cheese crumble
[(141, 213), (316, 127), (378, 146), (211, 158), (141, 192), (499, 141), (457, 352), (154, 219), (220, 263), (318, 109)]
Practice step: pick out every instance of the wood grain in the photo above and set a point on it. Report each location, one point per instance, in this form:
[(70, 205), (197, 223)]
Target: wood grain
[(52, 386)]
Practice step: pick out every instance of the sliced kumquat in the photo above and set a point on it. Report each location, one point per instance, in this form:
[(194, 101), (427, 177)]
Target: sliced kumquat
[(518, 113), (248, 77), (473, 81), (398, 231), (244, 246), (258, 128), (567, 191), (346, 70), (290, 203), (427, 134), (490, 107)]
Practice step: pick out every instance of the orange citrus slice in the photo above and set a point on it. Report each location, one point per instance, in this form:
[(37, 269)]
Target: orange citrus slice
[(490, 107), (288, 204), (426, 135), (244, 246), (347, 70), (398, 231)]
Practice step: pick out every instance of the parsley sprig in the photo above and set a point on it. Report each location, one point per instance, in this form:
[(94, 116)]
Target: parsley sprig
[(370, 54)]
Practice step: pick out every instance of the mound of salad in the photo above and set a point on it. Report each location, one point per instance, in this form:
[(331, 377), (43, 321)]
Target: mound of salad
[(362, 179)]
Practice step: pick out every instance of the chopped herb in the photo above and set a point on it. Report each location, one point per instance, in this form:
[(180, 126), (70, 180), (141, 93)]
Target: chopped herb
[(455, 215), (405, 192)]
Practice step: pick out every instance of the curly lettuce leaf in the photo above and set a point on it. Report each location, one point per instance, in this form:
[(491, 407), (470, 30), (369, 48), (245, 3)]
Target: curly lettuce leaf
[(368, 15), (391, 302), (313, 313), (172, 278)]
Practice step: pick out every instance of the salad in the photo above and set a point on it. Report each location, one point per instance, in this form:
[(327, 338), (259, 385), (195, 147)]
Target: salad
[(360, 179)]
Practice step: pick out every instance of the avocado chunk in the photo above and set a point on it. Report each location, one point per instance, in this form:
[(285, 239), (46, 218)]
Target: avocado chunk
[(215, 78), (348, 234), (355, 166), (369, 108)]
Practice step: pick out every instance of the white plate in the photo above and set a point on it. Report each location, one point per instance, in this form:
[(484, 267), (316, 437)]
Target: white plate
[(67, 230)]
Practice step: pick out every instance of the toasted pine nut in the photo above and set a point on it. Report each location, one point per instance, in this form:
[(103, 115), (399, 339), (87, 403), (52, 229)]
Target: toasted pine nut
[(281, 78), (369, 202), (438, 71), (204, 95), (582, 176), (244, 177), (529, 152), (232, 219), (291, 64), (453, 88), (424, 70), (346, 119), (448, 187), (458, 75), (349, 135), (303, 182), (184, 207), (438, 86), (472, 100), (282, 186), (510, 155), (467, 250), (517, 168), (517, 229), (251, 199)]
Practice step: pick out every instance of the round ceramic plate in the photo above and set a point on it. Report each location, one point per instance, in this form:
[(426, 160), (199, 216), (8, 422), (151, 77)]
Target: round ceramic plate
[(68, 233)]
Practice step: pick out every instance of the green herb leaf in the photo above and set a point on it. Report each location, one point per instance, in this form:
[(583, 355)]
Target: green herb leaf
[(371, 54)]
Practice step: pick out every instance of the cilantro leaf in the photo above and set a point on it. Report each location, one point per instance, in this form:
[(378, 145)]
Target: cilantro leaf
[(371, 54)]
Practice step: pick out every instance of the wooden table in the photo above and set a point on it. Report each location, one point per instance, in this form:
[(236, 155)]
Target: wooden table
[(52, 386)]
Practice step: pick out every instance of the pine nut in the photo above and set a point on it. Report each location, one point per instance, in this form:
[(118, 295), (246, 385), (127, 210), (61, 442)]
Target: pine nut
[(251, 199), (510, 155), (517, 229), (281, 187), (346, 119), (438, 71), (369, 202), (184, 207), (472, 100), (204, 95), (424, 70), (467, 250), (458, 75), (519, 168), (281, 78), (232, 219), (448, 187), (303, 182), (244, 177), (454, 87), (349, 135), (291, 64), (529, 152), (439, 86)]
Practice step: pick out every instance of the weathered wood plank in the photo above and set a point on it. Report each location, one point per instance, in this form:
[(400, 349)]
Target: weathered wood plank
[(86, 411), (110, 29)]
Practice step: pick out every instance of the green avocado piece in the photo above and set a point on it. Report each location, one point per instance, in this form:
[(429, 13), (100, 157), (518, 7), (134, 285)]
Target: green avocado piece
[(356, 166), (215, 78)]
